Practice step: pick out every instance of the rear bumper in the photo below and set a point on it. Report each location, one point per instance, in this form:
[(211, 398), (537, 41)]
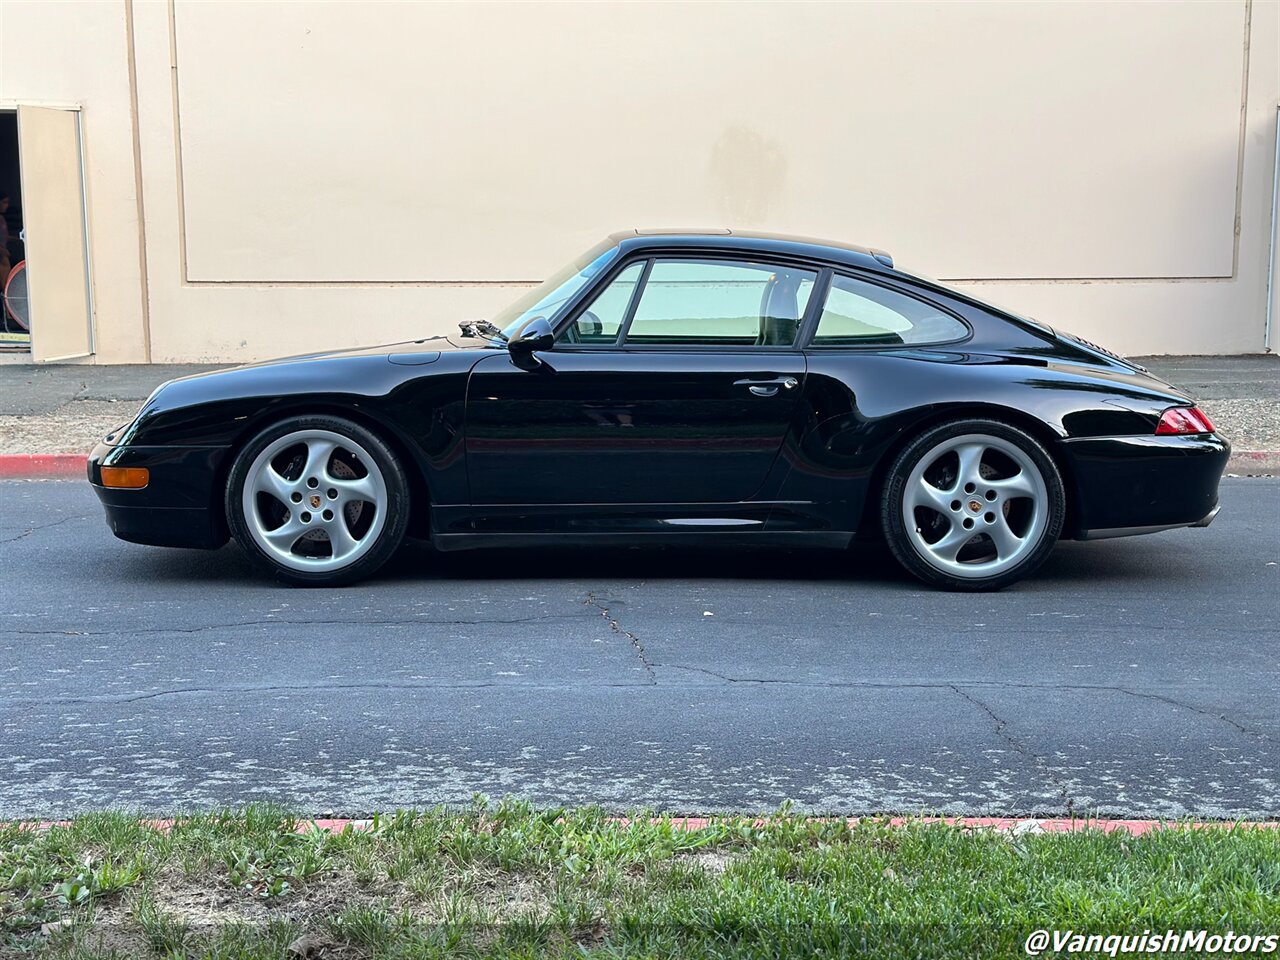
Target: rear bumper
[(179, 507), (1110, 533), (1209, 517), (1133, 485)]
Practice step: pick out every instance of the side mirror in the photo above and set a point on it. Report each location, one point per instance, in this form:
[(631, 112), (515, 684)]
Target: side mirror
[(533, 336)]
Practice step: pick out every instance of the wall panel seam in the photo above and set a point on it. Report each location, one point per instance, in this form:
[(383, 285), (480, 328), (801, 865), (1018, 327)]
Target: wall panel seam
[(131, 49)]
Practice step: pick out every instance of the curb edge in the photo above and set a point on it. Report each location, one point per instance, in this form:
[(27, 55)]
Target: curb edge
[(41, 466), (1254, 463), (1013, 825)]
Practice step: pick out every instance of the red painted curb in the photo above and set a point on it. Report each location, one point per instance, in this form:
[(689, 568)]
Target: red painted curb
[(1134, 828), (14, 466)]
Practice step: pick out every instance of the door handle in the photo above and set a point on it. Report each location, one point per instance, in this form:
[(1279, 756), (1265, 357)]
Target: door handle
[(768, 388)]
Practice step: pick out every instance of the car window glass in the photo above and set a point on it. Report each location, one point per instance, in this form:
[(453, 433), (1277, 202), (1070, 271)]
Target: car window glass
[(602, 319), (700, 302), (861, 313)]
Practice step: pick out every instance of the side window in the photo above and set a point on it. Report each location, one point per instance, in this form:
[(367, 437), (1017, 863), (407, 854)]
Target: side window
[(698, 302), (858, 313), (602, 319)]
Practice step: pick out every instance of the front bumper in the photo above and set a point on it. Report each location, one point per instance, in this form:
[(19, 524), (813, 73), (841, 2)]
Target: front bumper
[(181, 506), (1133, 485)]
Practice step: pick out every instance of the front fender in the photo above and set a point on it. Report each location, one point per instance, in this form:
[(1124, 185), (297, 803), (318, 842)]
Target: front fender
[(418, 408)]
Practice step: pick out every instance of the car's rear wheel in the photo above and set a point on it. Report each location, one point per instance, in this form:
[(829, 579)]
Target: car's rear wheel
[(973, 505), (318, 500)]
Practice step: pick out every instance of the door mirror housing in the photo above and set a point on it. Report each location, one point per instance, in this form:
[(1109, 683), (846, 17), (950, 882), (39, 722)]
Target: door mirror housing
[(533, 336)]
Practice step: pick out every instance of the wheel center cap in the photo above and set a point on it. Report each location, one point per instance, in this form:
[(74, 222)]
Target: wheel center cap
[(315, 501), (974, 505)]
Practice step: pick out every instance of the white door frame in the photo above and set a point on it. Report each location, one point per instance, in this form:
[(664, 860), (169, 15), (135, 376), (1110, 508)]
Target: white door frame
[(1273, 261), (90, 342)]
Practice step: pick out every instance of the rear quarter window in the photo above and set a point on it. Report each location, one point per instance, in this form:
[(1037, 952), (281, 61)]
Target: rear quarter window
[(858, 313)]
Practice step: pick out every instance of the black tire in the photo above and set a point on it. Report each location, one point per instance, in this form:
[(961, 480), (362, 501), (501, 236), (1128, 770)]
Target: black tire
[(902, 542), (386, 540)]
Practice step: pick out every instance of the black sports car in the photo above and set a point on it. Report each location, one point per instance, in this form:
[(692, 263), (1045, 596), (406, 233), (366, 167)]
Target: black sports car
[(728, 387)]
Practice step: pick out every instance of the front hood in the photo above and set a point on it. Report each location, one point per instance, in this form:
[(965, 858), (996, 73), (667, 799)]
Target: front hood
[(405, 348), (356, 372), (311, 370), (406, 351)]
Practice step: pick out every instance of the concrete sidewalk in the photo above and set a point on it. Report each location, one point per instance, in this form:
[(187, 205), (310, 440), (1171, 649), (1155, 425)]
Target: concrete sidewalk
[(62, 409), (66, 408)]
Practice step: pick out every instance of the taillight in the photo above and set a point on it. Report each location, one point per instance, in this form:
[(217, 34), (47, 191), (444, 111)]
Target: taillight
[(1180, 420)]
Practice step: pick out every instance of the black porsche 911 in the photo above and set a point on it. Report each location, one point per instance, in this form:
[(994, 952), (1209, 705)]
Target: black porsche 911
[(670, 387)]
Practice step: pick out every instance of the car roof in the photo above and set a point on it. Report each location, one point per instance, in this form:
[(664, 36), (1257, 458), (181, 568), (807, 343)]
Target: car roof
[(721, 238)]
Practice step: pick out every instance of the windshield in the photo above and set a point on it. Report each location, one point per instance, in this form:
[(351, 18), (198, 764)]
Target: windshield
[(550, 295)]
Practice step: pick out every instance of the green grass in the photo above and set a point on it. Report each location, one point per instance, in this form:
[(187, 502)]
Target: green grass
[(512, 881)]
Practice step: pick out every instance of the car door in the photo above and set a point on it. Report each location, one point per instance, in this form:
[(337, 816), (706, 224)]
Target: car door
[(676, 384)]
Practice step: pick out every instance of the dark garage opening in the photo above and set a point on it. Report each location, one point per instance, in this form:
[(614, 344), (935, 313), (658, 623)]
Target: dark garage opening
[(14, 313)]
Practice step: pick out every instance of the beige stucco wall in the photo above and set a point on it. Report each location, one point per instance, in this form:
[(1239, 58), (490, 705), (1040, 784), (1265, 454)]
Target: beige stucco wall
[(77, 54), (317, 175)]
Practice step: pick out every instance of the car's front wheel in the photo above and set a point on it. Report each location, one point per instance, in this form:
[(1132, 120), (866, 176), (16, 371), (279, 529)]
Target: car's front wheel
[(318, 500), (973, 505)]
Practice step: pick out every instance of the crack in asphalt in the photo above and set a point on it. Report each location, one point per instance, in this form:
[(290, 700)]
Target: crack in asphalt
[(1020, 627), (423, 621), (298, 688), (1019, 747), (650, 667), (43, 526), (1007, 684), (616, 627), (1261, 735)]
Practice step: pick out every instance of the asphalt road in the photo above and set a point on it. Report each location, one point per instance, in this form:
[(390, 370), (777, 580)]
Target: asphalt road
[(1134, 677)]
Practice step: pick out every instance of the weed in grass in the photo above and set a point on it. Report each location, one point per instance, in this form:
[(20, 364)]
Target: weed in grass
[(271, 866), (110, 877), (366, 862), (370, 927), (243, 941), (72, 893), (166, 935)]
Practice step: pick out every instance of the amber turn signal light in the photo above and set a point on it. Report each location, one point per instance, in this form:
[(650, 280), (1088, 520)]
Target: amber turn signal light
[(126, 478)]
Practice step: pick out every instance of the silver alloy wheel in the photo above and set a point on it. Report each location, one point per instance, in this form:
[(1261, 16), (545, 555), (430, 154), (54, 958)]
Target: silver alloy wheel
[(323, 498), (989, 515)]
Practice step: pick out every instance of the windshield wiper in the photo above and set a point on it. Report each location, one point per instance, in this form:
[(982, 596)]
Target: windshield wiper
[(481, 330)]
